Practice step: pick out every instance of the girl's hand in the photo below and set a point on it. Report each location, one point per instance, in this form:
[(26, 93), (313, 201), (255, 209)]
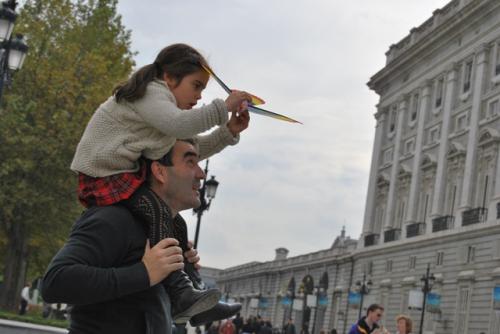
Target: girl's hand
[(235, 99), (238, 121)]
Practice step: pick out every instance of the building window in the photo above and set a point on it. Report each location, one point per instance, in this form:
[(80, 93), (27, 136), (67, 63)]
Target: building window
[(493, 109), (414, 108), (388, 266), (388, 155), (461, 122), (380, 219), (467, 76), (424, 203), (462, 310), (392, 119), (433, 135), (439, 92), (409, 146), (497, 59), (471, 254), (439, 258), (401, 213), (413, 262), (368, 268)]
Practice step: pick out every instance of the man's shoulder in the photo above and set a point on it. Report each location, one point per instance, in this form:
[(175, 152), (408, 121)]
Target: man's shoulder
[(110, 214), (108, 211), (354, 329)]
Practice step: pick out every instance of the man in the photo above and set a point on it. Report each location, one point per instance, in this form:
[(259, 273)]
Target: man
[(369, 323), (25, 299), (108, 270), (266, 328), (238, 322), (289, 327)]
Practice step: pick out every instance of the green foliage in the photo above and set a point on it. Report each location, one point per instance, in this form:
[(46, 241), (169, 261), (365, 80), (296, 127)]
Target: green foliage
[(34, 316), (78, 51)]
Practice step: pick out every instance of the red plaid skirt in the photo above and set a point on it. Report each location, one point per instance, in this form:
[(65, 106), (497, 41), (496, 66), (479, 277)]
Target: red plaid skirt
[(102, 191)]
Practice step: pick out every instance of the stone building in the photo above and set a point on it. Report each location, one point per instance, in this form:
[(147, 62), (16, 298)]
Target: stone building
[(433, 195)]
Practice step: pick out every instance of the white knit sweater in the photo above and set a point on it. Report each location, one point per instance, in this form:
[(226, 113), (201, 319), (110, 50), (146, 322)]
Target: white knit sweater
[(118, 134)]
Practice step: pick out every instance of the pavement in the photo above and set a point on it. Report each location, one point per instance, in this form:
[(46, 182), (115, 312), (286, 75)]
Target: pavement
[(18, 327)]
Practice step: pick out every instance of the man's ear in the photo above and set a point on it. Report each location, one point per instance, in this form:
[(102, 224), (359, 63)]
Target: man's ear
[(158, 172)]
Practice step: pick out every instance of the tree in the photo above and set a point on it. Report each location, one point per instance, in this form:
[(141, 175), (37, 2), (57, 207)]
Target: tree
[(78, 51)]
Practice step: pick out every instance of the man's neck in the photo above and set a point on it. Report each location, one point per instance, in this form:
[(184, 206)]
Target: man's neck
[(172, 211), (369, 322)]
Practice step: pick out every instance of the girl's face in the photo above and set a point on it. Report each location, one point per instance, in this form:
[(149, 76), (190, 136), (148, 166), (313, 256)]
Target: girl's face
[(401, 326), (188, 91)]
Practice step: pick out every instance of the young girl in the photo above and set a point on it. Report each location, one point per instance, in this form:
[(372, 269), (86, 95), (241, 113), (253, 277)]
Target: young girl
[(143, 119)]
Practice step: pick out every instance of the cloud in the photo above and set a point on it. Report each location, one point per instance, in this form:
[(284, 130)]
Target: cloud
[(285, 185)]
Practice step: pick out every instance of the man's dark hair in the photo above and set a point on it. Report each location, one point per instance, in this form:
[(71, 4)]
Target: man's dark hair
[(373, 308), (165, 160)]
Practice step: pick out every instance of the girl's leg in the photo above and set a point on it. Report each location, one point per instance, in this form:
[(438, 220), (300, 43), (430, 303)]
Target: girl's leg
[(219, 311), (187, 301)]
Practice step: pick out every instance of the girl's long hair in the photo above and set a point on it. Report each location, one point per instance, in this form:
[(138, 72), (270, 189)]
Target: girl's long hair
[(177, 60)]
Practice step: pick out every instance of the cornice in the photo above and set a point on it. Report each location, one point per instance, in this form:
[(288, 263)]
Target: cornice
[(433, 39)]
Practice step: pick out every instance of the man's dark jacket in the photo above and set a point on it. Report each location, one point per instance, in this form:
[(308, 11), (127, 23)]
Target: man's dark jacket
[(100, 271), (361, 327)]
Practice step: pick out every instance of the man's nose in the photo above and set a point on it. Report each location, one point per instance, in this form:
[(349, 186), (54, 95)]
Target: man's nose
[(200, 174)]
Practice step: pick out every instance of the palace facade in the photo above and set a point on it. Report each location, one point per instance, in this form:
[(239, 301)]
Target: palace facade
[(433, 196)]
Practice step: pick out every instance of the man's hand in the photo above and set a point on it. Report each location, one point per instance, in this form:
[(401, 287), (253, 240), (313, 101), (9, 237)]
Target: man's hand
[(192, 255), (161, 260)]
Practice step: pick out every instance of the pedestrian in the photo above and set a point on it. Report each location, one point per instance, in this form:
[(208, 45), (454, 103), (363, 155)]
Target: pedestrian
[(227, 327), (142, 119), (289, 328), (266, 328), (238, 322), (213, 328), (25, 299), (109, 271), (247, 326), (369, 323), (404, 324)]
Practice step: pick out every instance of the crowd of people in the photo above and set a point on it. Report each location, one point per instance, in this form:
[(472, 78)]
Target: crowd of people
[(369, 324)]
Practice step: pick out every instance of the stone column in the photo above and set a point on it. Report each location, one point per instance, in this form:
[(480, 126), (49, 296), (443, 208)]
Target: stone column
[(411, 215), (395, 166), (470, 159), (492, 209), (369, 218), (442, 160)]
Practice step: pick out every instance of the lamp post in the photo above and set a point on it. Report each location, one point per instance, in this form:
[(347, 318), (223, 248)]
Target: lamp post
[(208, 188), (12, 49), (318, 291), (364, 289), (428, 280)]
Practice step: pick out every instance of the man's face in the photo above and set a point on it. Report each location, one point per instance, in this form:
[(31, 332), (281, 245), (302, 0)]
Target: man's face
[(183, 179), (376, 315)]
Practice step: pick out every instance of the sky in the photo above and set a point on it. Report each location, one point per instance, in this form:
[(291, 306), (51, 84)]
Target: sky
[(284, 185)]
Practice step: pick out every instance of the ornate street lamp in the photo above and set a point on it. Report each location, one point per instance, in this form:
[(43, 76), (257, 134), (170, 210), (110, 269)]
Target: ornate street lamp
[(428, 280), (208, 188), (12, 49), (318, 291), (364, 289)]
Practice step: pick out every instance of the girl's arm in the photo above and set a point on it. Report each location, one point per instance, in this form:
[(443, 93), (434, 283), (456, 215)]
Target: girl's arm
[(158, 109), (223, 136)]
